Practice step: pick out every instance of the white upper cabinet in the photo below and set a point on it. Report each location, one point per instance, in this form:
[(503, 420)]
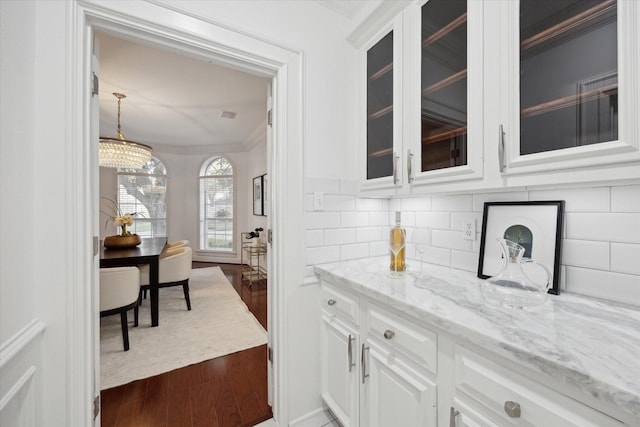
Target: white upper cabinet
[(462, 95), (443, 91), (568, 89)]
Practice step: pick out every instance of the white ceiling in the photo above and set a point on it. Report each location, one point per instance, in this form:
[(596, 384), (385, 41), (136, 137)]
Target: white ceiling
[(175, 101)]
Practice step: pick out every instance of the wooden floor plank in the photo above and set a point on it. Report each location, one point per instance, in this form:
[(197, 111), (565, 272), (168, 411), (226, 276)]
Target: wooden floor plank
[(229, 391)]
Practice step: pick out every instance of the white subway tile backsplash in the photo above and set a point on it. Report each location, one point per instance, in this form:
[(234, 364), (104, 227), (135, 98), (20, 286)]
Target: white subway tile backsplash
[(585, 253), (333, 203), (339, 236), (355, 251), (625, 258), (601, 236), (450, 240), (354, 219), (509, 196), (464, 260), (433, 220), (315, 220), (323, 255), (440, 256), (458, 217), (379, 248), (462, 203), (314, 238), (625, 198), (368, 234), (578, 200), (416, 204), (379, 218), (369, 205), (624, 288), (606, 227)]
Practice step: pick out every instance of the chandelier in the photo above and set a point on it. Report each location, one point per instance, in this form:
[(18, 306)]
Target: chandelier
[(120, 152)]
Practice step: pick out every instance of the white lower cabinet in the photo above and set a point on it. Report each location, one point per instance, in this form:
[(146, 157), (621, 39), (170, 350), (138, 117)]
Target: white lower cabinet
[(393, 394), (377, 372), (339, 369), (382, 368)]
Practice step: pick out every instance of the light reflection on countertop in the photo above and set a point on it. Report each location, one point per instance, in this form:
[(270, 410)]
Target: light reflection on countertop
[(590, 344)]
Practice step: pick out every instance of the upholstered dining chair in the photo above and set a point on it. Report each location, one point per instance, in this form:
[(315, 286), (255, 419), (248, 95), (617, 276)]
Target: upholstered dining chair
[(177, 244), (174, 270), (119, 293)]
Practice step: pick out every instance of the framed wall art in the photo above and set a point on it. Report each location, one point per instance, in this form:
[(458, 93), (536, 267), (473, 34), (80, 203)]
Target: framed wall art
[(536, 226), (258, 196)]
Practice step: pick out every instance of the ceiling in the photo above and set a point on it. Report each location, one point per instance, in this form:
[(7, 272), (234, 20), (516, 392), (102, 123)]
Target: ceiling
[(174, 101)]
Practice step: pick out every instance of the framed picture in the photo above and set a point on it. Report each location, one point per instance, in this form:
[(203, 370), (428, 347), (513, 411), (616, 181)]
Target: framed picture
[(265, 192), (258, 196), (536, 226)]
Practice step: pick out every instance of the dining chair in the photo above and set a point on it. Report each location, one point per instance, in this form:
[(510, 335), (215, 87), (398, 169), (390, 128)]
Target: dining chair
[(119, 293), (177, 244), (174, 270)]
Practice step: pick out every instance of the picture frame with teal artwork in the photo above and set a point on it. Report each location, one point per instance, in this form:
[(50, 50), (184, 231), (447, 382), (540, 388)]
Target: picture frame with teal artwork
[(536, 226)]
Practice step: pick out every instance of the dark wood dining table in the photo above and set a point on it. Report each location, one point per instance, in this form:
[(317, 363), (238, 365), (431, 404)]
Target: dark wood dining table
[(147, 252)]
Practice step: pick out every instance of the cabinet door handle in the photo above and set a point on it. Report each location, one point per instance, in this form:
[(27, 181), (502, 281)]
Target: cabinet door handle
[(350, 352), (331, 302), (363, 363), (409, 166), (512, 409), (388, 334), (501, 149), (395, 167), (453, 417)]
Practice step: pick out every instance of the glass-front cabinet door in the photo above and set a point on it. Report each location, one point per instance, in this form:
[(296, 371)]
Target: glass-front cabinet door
[(447, 143), (574, 89), (382, 106)]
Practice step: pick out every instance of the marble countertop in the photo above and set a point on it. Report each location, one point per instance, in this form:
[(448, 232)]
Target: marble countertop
[(587, 343)]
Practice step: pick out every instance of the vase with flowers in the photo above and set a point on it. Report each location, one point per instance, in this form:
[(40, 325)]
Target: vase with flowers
[(125, 239), (255, 235)]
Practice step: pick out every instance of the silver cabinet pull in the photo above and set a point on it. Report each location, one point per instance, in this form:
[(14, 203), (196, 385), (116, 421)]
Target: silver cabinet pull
[(409, 166), (363, 363), (512, 409), (350, 352), (395, 167), (331, 302), (501, 149), (388, 334), (453, 417)]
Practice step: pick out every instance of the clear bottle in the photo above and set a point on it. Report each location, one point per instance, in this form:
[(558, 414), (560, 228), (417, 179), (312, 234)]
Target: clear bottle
[(397, 238)]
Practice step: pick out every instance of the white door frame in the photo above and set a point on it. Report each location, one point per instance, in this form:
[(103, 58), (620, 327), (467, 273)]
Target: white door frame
[(162, 26)]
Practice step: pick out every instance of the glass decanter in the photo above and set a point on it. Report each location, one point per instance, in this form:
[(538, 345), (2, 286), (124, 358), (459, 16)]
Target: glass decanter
[(512, 287)]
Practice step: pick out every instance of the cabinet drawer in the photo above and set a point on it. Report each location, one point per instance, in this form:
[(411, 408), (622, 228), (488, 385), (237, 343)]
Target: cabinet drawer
[(340, 303), (514, 400), (404, 336)]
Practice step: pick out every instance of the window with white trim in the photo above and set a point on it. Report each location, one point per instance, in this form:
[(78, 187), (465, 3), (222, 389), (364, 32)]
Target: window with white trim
[(217, 200), (144, 191)]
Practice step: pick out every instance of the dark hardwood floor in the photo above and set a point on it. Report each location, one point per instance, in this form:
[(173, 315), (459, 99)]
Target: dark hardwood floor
[(228, 391)]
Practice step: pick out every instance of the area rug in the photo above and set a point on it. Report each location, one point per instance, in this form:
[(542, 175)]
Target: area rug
[(219, 323)]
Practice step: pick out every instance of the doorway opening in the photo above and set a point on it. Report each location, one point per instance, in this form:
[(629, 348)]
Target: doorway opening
[(266, 71)]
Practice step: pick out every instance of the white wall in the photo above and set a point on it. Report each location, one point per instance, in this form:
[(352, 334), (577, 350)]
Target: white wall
[(600, 247), (183, 171)]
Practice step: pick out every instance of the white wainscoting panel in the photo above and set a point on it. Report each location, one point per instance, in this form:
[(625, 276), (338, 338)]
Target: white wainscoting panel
[(21, 372)]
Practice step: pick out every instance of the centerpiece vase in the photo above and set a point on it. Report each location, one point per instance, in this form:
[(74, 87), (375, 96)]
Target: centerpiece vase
[(123, 240)]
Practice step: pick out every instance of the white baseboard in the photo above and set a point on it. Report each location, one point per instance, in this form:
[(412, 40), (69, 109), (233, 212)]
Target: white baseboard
[(316, 418)]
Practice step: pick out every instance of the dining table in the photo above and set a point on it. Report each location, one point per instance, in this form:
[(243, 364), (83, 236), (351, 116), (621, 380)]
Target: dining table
[(147, 252)]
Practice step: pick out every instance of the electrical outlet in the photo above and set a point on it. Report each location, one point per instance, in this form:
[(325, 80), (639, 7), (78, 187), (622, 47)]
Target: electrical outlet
[(469, 228), (318, 201)]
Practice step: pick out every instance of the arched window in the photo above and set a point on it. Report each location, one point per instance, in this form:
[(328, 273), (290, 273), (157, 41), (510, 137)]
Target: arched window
[(144, 191), (217, 203)]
